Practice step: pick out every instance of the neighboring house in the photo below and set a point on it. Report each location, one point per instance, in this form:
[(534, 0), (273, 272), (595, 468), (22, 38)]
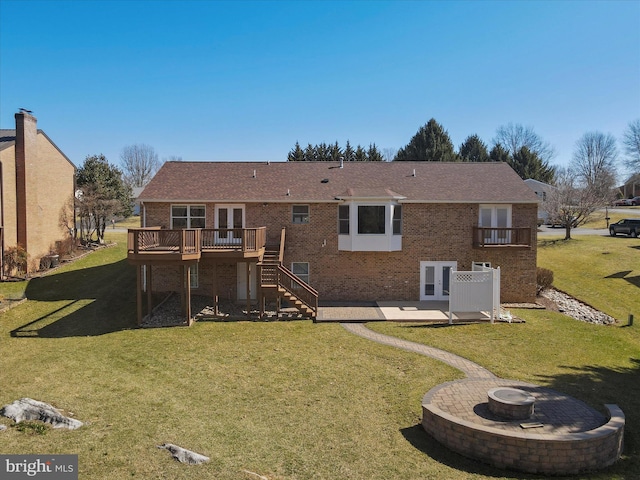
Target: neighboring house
[(36, 188), (136, 191), (542, 191), (358, 231), (631, 187)]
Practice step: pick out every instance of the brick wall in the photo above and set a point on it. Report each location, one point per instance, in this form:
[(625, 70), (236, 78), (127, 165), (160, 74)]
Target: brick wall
[(431, 232)]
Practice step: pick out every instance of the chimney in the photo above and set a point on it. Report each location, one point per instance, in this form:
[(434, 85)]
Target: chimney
[(26, 146)]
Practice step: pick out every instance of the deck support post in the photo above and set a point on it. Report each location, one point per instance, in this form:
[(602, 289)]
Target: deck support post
[(248, 269), (147, 269), (215, 289), (187, 293), (139, 293)]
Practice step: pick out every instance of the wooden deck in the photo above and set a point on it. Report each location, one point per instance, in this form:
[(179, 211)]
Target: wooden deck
[(156, 246)]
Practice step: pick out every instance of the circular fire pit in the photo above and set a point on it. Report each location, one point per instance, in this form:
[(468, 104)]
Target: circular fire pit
[(510, 403)]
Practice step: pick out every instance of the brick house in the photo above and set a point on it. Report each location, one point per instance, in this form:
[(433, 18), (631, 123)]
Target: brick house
[(357, 231), (36, 186)]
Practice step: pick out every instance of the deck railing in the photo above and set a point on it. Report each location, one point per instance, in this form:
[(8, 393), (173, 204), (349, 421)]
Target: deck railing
[(195, 240), (501, 236), (246, 239)]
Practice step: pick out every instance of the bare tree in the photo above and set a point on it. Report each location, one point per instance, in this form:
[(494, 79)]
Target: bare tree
[(389, 153), (139, 164), (594, 163), (631, 142), (172, 158), (570, 204), (513, 137)]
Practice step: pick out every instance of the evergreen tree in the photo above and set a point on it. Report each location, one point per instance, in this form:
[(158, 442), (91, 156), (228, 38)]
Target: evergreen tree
[(527, 164), (431, 143), (322, 153), (335, 152), (310, 153), (348, 153), (473, 150), (296, 154), (373, 154), (360, 155), (499, 154)]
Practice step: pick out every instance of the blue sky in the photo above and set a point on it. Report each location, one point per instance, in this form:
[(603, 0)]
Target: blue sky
[(245, 80)]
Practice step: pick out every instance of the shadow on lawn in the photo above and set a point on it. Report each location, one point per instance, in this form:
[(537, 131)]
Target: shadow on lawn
[(598, 386), (96, 300), (623, 275)]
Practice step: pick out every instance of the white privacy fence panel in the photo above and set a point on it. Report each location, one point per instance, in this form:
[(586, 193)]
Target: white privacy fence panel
[(476, 291)]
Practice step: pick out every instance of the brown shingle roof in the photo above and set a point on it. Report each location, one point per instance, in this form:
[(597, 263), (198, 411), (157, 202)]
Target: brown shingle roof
[(232, 182)]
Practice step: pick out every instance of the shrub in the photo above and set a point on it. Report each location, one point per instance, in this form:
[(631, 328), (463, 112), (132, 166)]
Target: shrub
[(544, 279), (15, 260)]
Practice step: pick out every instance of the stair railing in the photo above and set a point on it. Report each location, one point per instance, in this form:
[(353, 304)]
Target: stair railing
[(297, 287)]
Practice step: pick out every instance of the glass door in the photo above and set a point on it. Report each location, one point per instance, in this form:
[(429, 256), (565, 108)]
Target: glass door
[(435, 280), (229, 224)]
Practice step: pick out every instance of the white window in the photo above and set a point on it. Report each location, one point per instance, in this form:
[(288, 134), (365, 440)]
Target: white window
[(300, 214), (343, 219), (370, 226), (397, 219), (188, 216)]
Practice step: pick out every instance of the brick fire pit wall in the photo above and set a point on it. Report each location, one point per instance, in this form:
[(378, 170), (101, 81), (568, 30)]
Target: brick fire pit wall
[(562, 454)]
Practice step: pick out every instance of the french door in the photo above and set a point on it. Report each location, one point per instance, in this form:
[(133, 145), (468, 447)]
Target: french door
[(435, 280), (229, 224)]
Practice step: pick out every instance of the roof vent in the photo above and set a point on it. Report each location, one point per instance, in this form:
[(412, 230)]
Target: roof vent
[(254, 174), (288, 193), (324, 180), (341, 162), (414, 173)]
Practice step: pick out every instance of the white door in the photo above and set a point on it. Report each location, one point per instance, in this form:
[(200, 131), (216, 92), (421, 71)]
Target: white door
[(242, 281), (435, 280), (496, 216), (230, 222)]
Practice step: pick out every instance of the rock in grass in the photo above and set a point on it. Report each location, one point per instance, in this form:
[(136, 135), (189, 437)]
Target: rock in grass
[(2, 427), (28, 409), (184, 456)]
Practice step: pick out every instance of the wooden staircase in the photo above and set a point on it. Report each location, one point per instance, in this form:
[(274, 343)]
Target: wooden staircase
[(277, 280)]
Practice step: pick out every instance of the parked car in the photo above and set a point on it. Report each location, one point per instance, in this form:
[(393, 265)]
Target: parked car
[(635, 201), (628, 226), (622, 202)]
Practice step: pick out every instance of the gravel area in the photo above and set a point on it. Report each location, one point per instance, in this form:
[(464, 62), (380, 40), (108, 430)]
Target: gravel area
[(568, 305), (168, 312)]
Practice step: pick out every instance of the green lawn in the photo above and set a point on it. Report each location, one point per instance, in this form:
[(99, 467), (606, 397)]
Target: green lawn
[(286, 400)]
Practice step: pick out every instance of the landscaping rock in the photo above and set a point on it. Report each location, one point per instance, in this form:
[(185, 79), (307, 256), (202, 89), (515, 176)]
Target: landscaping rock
[(184, 456), (3, 427), (575, 309), (28, 409)]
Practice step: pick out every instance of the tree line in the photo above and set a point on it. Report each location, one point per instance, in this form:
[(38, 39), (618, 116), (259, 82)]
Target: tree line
[(334, 152)]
